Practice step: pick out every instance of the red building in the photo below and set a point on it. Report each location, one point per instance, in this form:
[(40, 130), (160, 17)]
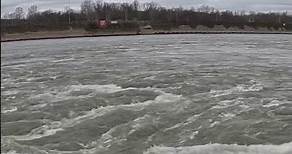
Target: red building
[(103, 24)]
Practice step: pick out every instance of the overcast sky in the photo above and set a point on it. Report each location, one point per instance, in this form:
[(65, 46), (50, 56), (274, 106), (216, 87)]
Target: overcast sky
[(248, 5)]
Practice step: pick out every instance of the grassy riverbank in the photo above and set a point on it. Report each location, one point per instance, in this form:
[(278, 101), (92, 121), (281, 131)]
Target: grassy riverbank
[(82, 33)]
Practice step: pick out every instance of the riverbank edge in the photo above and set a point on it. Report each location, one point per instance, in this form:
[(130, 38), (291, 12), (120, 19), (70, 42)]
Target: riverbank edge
[(153, 33)]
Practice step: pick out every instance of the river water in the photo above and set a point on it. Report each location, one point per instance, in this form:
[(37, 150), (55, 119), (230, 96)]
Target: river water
[(182, 94)]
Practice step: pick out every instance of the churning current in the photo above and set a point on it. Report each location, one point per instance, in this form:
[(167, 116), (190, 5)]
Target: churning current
[(172, 94)]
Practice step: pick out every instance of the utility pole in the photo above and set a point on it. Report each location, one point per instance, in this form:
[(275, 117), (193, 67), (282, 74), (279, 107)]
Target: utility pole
[(69, 15), (126, 14)]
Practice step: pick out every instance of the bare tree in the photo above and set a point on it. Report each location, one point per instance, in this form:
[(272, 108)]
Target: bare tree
[(19, 13), (125, 7), (150, 9), (8, 15), (135, 14), (135, 5), (87, 9), (32, 11)]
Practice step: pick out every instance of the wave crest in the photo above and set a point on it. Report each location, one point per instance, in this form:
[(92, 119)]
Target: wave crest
[(223, 149)]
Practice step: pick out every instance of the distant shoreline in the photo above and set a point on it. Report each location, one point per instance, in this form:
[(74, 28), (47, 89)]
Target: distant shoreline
[(49, 35)]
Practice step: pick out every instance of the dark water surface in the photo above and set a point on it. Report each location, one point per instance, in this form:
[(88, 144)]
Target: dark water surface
[(148, 94)]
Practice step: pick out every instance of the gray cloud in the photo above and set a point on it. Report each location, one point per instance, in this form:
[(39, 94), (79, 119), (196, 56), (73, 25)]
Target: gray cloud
[(248, 5)]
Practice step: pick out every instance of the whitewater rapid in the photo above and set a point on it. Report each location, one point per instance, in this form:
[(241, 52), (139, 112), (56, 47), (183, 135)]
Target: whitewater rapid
[(181, 94), (223, 149)]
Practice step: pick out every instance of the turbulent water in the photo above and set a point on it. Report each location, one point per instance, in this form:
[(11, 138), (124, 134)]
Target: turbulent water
[(185, 94)]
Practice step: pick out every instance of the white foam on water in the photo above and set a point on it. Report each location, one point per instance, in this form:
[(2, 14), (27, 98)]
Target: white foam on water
[(11, 109), (225, 104), (134, 49), (9, 92), (152, 77), (214, 123), (140, 122), (34, 79), (37, 106), (66, 94), (238, 89), (111, 88), (50, 97), (53, 127), (10, 146), (227, 116), (237, 105), (111, 137), (120, 133), (187, 122), (164, 98), (194, 134), (31, 79), (223, 149), (63, 60), (274, 103), (43, 131), (11, 152), (107, 139)]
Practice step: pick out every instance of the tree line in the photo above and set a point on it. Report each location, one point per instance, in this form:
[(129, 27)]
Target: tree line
[(134, 14)]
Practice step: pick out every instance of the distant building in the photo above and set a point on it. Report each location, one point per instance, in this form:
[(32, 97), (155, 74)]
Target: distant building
[(284, 24), (114, 22), (103, 23), (147, 27)]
